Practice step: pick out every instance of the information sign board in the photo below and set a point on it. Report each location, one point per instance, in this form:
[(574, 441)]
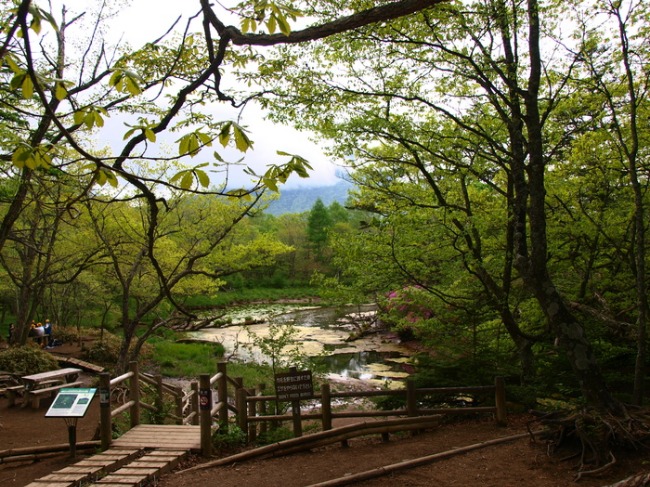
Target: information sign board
[(71, 403), (294, 385)]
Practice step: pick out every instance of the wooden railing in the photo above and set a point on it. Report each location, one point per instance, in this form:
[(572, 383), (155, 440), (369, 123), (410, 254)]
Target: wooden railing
[(250, 416), (209, 404), (129, 387)]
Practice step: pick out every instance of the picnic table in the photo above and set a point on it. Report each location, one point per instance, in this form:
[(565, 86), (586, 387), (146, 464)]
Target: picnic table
[(45, 383)]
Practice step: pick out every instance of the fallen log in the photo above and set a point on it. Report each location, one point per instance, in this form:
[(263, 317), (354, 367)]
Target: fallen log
[(325, 437), (639, 480), (407, 464), (36, 450)]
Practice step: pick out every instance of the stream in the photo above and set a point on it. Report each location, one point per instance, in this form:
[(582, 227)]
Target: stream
[(377, 359)]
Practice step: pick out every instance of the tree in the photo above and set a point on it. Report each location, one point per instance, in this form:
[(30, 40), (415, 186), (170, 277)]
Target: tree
[(160, 86), (46, 247), (199, 242), (318, 225), (486, 72), (619, 74)]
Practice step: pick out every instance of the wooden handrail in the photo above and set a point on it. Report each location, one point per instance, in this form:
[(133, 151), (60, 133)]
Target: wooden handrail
[(215, 378), (121, 378), (217, 407), (122, 408)]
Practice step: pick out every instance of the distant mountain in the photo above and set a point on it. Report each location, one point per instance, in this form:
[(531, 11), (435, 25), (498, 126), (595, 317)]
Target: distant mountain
[(303, 199)]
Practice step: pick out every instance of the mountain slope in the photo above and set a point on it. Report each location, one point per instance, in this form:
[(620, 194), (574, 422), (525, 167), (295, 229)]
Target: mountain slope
[(301, 200)]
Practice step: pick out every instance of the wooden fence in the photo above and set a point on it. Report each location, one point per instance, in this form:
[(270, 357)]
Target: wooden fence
[(209, 404), (251, 414)]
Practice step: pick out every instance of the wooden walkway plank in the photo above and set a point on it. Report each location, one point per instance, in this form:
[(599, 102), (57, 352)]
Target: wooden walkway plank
[(142, 454), (79, 363), (186, 437)]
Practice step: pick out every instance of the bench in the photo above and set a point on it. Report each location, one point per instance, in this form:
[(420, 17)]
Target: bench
[(53, 380), (35, 395), (13, 392)]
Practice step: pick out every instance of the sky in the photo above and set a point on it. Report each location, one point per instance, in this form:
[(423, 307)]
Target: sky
[(144, 20)]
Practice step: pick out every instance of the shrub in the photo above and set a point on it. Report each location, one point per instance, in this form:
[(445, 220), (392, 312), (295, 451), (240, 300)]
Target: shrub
[(107, 350), (26, 360), (230, 440)]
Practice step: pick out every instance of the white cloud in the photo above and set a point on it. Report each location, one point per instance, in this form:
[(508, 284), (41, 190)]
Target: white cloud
[(144, 20)]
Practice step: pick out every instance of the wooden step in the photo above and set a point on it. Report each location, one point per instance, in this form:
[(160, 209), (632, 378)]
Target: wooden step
[(143, 470), (115, 468)]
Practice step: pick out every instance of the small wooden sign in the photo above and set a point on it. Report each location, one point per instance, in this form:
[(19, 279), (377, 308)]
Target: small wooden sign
[(294, 385)]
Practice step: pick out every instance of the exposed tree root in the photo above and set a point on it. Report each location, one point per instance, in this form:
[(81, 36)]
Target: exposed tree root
[(595, 435), (640, 480)]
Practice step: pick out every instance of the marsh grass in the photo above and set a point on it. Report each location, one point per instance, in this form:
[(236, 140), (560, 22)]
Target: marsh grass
[(186, 359), (189, 360)]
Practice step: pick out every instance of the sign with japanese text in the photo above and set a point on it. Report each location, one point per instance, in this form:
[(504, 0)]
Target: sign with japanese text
[(294, 385)]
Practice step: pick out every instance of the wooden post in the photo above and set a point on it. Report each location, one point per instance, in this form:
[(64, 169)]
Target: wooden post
[(261, 409), (178, 402), (105, 423), (295, 412), (194, 401), (500, 401), (242, 410), (252, 427), (326, 406), (159, 398), (411, 398), (205, 409), (222, 387), (134, 394)]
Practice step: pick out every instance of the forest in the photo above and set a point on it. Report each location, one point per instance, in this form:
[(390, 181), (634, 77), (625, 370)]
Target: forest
[(498, 152)]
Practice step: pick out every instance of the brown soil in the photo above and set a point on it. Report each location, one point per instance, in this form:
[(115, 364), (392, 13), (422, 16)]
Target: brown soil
[(517, 463)]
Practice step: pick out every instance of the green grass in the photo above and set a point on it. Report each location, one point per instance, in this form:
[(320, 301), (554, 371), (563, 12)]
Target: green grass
[(186, 359), (189, 360)]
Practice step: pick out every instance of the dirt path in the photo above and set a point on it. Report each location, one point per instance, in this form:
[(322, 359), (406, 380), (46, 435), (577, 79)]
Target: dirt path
[(517, 463)]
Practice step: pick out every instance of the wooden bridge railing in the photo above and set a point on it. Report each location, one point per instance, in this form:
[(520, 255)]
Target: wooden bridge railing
[(129, 386)]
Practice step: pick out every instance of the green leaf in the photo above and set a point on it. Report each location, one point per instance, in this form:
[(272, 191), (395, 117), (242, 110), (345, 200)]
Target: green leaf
[(98, 119), (242, 142), (188, 179), (224, 135), (150, 135), (60, 92), (202, 176), (271, 184), (285, 28), (20, 156), (177, 176), (272, 24), (13, 65), (204, 138), (27, 87), (129, 133), (36, 24)]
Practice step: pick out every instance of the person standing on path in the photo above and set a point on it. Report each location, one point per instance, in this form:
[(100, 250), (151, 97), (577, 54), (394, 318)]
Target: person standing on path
[(47, 330)]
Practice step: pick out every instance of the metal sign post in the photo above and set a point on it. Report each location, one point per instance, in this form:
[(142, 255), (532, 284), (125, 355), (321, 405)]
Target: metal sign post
[(71, 404)]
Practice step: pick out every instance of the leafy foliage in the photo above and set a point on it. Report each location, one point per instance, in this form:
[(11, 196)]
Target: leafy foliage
[(26, 360)]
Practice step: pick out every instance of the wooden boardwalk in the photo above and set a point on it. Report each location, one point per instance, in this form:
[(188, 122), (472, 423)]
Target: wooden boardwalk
[(116, 467), (173, 437)]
